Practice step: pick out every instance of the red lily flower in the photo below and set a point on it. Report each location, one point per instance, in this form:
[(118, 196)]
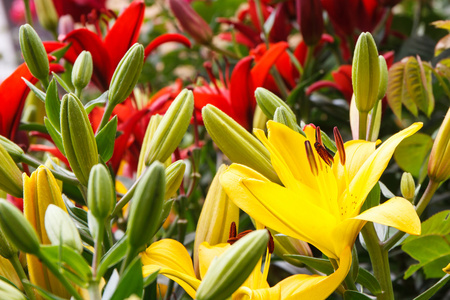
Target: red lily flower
[(77, 8)]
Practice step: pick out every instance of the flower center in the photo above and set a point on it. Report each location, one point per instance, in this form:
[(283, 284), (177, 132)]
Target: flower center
[(234, 237)]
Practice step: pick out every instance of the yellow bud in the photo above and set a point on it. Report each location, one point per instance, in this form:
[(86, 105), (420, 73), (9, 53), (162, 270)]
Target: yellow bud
[(407, 186), (439, 163), (10, 175)]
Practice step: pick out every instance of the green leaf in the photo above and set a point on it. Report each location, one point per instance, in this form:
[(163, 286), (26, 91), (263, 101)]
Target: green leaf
[(395, 88), (131, 281), (319, 264), (431, 248), (150, 278), (105, 139), (354, 295), (367, 280), (55, 135), (412, 153), (59, 53), (96, 102), (443, 68), (115, 254), (373, 199), (417, 85), (62, 83), (43, 293), (432, 290), (40, 94), (53, 105)]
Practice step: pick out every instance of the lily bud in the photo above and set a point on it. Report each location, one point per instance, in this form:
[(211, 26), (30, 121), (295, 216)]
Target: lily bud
[(47, 15), (365, 72), (8, 291), (172, 128), (217, 214), (10, 175), (282, 116), (383, 77), (101, 196), (12, 148), (237, 143), (60, 228), (285, 245), (146, 206), (269, 102), (259, 119), (82, 70), (438, 165), (17, 229), (78, 138), (310, 19), (34, 53), (153, 124), (174, 177), (126, 75), (407, 186), (227, 272), (7, 250), (191, 22)]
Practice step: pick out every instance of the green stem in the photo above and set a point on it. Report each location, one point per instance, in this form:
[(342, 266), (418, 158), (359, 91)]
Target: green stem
[(380, 261), (362, 125), (98, 247), (373, 117), (169, 290), (423, 202), (106, 115), (126, 198), (131, 253), (21, 273), (223, 51), (28, 16), (261, 22), (94, 291), (52, 267)]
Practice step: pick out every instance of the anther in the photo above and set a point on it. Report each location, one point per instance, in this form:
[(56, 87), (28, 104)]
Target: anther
[(318, 136), (311, 158), (323, 153), (339, 145)]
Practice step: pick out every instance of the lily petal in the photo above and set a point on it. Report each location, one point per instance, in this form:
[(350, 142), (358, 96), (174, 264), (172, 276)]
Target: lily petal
[(207, 253)]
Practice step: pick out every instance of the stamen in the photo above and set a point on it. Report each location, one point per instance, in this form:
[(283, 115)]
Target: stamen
[(318, 136), (270, 244), (232, 230), (324, 154), (339, 145), (311, 159)]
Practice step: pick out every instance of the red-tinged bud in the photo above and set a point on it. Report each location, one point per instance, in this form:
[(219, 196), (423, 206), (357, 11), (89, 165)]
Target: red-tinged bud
[(310, 19), (191, 22)]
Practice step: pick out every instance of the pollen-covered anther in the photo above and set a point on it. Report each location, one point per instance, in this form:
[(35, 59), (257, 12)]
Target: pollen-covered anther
[(318, 136), (324, 154), (339, 145), (311, 158)]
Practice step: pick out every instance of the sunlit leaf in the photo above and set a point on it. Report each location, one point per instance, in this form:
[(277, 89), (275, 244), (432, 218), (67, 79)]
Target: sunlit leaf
[(412, 153)]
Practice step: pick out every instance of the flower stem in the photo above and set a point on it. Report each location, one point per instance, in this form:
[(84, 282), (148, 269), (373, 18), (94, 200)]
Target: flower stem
[(362, 125), (106, 115), (22, 276), (28, 16), (380, 261)]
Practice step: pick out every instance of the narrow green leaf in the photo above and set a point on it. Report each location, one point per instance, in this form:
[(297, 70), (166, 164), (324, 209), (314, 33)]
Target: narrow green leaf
[(367, 280), (354, 295), (40, 94), (96, 102), (433, 290), (53, 105), (43, 293), (150, 278), (55, 135), (62, 83), (105, 139), (131, 281), (319, 264), (113, 256)]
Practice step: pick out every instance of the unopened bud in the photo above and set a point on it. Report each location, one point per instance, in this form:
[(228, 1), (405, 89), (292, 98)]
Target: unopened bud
[(383, 77), (101, 195), (172, 128), (126, 75), (82, 70), (310, 19), (146, 143), (286, 245), (259, 119), (191, 22), (229, 271), (34, 53), (78, 138), (365, 72), (283, 116), (269, 102), (60, 228), (12, 148), (17, 229), (47, 15), (174, 177), (407, 186), (7, 250), (146, 206), (438, 165), (237, 143), (10, 175)]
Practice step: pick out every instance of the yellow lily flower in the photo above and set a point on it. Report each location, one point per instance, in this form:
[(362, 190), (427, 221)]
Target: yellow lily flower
[(172, 260), (41, 190), (322, 196)]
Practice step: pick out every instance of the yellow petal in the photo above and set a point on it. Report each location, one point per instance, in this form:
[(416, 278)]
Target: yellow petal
[(370, 172), (278, 208), (396, 212), (207, 253)]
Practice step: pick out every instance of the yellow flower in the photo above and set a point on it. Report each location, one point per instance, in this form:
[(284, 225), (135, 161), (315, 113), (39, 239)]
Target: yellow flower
[(322, 196), (41, 190), (172, 260)]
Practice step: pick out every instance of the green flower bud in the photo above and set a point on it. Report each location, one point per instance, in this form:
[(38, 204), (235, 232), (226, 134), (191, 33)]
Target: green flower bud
[(34, 53), (171, 130), (383, 77), (284, 117), (174, 176), (78, 138), (146, 206), (60, 228), (407, 186), (12, 148), (237, 143), (82, 70), (126, 75), (47, 15), (8, 291), (269, 102), (155, 120), (286, 245), (7, 250), (229, 271), (365, 72), (17, 229), (438, 165), (101, 196), (10, 176)]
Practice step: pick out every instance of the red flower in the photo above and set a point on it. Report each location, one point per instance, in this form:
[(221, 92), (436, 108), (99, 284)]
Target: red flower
[(77, 8)]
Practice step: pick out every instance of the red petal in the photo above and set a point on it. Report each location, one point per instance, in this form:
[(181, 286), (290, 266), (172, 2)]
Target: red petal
[(262, 67), (52, 150), (321, 84), (165, 38), (241, 92), (124, 32)]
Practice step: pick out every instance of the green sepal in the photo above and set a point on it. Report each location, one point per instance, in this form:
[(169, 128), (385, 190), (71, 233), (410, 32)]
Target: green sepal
[(105, 139)]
